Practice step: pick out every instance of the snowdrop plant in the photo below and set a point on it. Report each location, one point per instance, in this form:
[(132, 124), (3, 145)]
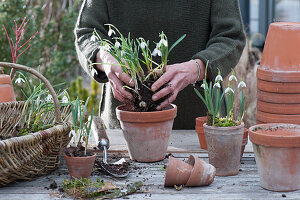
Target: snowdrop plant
[(213, 98), (127, 51)]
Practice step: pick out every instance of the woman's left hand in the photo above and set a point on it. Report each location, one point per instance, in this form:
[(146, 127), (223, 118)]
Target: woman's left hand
[(177, 77)]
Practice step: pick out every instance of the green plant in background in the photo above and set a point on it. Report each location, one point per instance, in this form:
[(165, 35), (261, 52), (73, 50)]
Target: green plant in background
[(213, 100), (77, 90)]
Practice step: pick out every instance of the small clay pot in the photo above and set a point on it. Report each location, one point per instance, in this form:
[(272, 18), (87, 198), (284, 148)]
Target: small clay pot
[(282, 47), (278, 98), (245, 141), (193, 172), (277, 76), (278, 108), (277, 150), (178, 172), (278, 87), (80, 167), (224, 148), (199, 129), (7, 93), (277, 118), (146, 133)]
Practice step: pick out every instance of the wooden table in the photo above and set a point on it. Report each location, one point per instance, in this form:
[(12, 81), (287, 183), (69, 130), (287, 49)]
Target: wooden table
[(245, 185)]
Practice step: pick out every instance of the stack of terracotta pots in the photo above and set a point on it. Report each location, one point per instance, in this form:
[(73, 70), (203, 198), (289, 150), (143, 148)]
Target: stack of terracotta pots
[(278, 84)]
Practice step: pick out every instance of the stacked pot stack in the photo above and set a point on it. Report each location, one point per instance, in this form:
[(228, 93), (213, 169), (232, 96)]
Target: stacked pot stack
[(278, 84)]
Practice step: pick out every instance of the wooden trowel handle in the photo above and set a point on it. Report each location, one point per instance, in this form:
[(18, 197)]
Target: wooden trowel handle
[(98, 128)]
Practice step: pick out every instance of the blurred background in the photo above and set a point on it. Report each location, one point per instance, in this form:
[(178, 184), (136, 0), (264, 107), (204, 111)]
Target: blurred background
[(52, 51)]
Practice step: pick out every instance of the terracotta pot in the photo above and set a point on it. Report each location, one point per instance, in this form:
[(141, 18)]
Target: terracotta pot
[(193, 172), (146, 133), (282, 47), (277, 150), (224, 148), (199, 129), (278, 87), (277, 76), (202, 173), (277, 118), (278, 98), (278, 108), (245, 141), (6, 89), (80, 167)]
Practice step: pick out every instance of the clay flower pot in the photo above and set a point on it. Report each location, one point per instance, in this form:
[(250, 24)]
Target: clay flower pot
[(277, 150), (277, 118), (199, 129), (278, 87), (80, 167), (6, 89), (193, 172), (224, 148), (278, 98), (146, 133), (244, 142), (280, 59), (278, 108)]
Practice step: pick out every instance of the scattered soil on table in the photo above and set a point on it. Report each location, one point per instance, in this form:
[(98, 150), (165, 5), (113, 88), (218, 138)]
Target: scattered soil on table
[(77, 152), (116, 169), (52, 186)]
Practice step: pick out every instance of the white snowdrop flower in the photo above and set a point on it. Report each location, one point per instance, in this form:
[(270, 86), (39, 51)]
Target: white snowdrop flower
[(19, 80), (217, 85), (164, 42), (71, 133), (218, 78), (242, 84), (203, 86), (93, 72), (117, 44), (229, 90), (143, 45), (106, 47), (232, 77), (65, 99), (156, 52), (110, 32), (94, 38), (49, 98)]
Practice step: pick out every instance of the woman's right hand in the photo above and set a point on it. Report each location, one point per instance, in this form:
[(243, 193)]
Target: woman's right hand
[(115, 75)]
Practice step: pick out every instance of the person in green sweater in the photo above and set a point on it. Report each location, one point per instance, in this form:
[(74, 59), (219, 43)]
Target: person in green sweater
[(214, 33)]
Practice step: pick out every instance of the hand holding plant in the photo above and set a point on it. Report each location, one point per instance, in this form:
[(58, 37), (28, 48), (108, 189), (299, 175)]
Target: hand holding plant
[(213, 99)]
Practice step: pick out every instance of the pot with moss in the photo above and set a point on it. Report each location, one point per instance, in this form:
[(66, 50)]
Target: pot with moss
[(224, 135), (79, 160), (146, 130)]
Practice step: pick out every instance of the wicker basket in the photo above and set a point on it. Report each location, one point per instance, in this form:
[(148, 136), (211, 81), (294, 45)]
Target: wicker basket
[(35, 154)]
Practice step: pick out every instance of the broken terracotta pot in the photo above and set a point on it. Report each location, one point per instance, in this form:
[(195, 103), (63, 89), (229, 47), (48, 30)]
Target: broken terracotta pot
[(278, 98), (277, 150), (277, 118), (278, 108), (278, 87), (199, 129), (193, 172), (7, 93), (146, 133), (224, 146)]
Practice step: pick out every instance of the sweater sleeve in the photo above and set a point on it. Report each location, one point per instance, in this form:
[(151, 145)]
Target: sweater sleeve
[(227, 38), (93, 15)]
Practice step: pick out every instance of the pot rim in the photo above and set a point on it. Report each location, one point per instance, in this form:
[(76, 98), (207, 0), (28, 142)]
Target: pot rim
[(278, 140), (225, 128), (94, 155), (267, 74), (5, 79), (276, 118), (143, 117)]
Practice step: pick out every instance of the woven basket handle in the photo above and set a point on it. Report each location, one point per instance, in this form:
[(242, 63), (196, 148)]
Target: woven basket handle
[(44, 80)]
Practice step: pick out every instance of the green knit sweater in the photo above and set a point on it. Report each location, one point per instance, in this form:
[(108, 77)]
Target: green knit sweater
[(213, 29)]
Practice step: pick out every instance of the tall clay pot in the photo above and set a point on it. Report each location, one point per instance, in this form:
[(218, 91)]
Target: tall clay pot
[(224, 148), (147, 133), (200, 131), (6, 89), (277, 150), (80, 167)]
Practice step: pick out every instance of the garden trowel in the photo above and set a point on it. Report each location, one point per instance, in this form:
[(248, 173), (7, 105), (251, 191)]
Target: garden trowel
[(117, 169)]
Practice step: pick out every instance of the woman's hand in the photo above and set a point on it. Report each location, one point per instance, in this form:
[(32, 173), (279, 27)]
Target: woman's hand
[(115, 75), (177, 77)]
